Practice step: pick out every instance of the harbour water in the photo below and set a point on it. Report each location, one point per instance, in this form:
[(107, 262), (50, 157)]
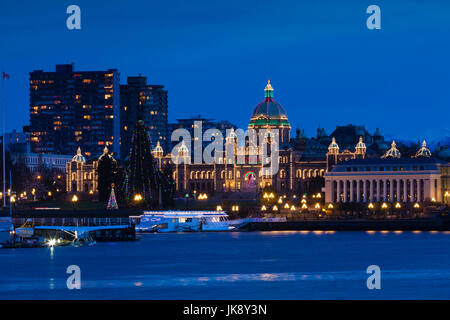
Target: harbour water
[(236, 265)]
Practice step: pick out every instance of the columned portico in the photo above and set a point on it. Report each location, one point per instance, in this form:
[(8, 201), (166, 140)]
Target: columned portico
[(383, 180)]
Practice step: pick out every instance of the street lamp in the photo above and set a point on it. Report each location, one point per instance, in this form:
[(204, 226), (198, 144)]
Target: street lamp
[(74, 200)]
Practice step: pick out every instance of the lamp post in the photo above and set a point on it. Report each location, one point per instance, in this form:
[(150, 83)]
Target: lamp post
[(74, 200)]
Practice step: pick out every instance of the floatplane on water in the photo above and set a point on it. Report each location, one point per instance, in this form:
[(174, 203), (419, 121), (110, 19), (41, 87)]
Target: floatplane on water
[(54, 236), (182, 221)]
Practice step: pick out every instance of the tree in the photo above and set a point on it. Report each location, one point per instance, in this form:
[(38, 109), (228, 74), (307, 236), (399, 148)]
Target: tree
[(167, 185), (45, 180), (112, 202), (141, 173), (107, 171)]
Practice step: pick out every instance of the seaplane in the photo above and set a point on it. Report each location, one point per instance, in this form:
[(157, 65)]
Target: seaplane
[(54, 234), (26, 230)]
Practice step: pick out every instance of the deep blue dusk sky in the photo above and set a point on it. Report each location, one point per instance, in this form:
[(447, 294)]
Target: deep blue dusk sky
[(215, 57)]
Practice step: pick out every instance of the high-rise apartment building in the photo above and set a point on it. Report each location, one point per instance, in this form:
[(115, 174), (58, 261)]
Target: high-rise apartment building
[(142, 101), (71, 109)]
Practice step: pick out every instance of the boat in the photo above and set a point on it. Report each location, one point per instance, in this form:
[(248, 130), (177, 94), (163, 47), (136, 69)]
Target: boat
[(182, 221)]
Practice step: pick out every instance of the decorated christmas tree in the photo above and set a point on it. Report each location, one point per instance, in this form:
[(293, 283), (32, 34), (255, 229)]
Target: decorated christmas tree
[(112, 203), (141, 180)]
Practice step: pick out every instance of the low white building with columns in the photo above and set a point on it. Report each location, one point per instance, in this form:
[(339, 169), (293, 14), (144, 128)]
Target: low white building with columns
[(390, 179)]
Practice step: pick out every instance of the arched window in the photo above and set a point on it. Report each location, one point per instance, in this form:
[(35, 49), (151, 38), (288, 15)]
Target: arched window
[(192, 175), (298, 174)]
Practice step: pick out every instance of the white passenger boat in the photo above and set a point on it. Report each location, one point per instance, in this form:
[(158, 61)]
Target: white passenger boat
[(182, 221)]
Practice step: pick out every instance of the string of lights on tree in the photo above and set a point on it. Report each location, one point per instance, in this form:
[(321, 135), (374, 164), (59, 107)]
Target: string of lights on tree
[(112, 202), (144, 177)]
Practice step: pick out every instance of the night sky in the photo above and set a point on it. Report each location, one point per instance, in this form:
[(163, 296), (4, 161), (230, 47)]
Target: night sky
[(215, 57)]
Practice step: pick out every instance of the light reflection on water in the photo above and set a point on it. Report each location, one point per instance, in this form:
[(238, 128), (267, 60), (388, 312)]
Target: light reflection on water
[(247, 265)]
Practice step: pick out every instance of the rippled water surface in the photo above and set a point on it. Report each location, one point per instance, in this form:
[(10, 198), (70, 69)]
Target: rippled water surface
[(263, 265)]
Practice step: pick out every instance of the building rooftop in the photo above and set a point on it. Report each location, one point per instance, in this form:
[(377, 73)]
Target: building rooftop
[(390, 161)]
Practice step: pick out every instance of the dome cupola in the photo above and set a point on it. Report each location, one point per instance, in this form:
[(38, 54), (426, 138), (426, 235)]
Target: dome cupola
[(333, 147), (158, 151), (424, 151), (392, 152), (79, 157), (270, 114), (360, 146)]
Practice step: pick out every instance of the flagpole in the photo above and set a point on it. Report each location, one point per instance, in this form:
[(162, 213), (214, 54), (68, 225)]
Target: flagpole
[(4, 142)]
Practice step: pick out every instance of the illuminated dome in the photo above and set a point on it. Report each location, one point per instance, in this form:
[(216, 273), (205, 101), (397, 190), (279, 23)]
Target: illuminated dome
[(158, 150), (269, 112), (333, 148), (183, 150), (361, 146), (79, 157), (424, 151), (392, 152)]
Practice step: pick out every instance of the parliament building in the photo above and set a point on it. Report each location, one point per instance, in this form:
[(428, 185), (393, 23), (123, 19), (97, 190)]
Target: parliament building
[(302, 162)]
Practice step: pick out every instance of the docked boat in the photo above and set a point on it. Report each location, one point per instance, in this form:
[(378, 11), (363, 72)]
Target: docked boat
[(182, 221)]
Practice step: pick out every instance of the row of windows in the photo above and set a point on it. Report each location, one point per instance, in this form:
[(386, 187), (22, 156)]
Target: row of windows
[(305, 173), (87, 176), (368, 169)]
